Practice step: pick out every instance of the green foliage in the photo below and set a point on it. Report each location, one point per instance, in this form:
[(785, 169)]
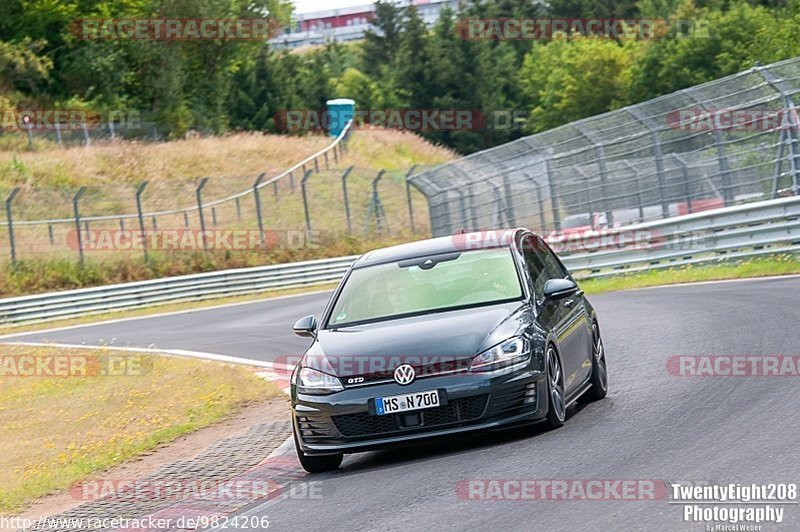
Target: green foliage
[(215, 86)]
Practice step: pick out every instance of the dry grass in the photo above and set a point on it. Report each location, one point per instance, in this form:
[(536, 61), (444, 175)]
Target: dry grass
[(49, 177), (55, 431)]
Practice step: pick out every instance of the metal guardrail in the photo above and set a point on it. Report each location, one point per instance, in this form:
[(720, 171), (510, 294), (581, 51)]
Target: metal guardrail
[(88, 301), (750, 230)]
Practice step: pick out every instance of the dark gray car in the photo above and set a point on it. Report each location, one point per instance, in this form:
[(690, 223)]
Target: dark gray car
[(440, 337)]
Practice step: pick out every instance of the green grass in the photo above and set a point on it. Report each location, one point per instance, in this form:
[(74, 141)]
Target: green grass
[(56, 431), (783, 264)]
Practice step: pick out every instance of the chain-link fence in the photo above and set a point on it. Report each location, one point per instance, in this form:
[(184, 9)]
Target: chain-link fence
[(315, 202), (79, 134), (726, 142)]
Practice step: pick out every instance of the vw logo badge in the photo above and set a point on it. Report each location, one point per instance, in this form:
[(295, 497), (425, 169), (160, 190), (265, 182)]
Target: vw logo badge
[(404, 374)]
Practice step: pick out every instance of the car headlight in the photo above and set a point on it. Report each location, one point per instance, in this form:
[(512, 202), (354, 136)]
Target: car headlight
[(315, 382), (510, 353)]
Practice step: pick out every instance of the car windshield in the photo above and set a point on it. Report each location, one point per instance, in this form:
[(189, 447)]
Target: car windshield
[(427, 284)]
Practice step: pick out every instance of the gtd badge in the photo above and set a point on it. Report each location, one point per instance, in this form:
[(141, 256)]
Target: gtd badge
[(404, 374)]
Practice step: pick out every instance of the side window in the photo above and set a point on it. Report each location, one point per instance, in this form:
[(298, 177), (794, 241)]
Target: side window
[(553, 266), (542, 264)]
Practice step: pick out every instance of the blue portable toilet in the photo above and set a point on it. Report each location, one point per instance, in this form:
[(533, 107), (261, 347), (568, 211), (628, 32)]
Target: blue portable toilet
[(340, 111)]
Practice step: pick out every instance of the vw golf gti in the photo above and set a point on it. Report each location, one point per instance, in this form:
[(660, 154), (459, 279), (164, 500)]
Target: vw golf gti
[(471, 332)]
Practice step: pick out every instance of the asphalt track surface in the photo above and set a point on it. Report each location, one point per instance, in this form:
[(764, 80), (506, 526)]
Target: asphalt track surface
[(652, 425)]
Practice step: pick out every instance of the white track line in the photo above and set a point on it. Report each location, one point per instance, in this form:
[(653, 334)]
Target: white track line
[(701, 283)]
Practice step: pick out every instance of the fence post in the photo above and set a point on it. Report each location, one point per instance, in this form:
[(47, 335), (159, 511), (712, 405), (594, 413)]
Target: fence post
[(50, 234), (687, 190), (639, 197), (510, 215), (199, 194), (139, 191), (214, 216), (238, 210), (408, 199), (305, 201), (9, 199), (58, 134), (658, 156), (86, 140), (346, 201), (77, 214), (30, 134), (375, 203), (588, 194), (257, 197), (541, 206), (553, 196)]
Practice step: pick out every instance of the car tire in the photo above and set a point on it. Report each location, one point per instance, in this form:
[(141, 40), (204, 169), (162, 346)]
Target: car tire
[(556, 398), (599, 378), (317, 464)]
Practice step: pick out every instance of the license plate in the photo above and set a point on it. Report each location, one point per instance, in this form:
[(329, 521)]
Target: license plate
[(406, 402)]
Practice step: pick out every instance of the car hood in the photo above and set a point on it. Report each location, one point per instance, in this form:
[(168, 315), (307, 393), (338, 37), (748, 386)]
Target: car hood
[(421, 340)]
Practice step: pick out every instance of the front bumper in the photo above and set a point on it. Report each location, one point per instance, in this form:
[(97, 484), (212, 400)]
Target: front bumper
[(345, 422)]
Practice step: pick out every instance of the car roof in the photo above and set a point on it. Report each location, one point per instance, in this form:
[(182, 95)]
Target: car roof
[(487, 239)]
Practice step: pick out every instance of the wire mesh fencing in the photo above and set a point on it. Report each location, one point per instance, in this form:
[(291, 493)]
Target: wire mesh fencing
[(304, 209), (727, 142)]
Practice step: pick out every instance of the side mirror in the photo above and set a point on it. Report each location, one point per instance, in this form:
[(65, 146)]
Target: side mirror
[(305, 327), (556, 289)]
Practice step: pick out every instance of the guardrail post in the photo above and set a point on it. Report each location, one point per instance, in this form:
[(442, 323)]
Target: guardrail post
[(139, 191), (50, 234), (238, 210), (257, 197), (316, 164), (327, 166), (214, 216), (408, 198), (186, 219), (305, 201), (199, 194), (346, 201), (77, 214), (10, 218)]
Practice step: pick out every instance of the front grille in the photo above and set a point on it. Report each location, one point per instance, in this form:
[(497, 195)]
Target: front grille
[(456, 411), (422, 371)]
